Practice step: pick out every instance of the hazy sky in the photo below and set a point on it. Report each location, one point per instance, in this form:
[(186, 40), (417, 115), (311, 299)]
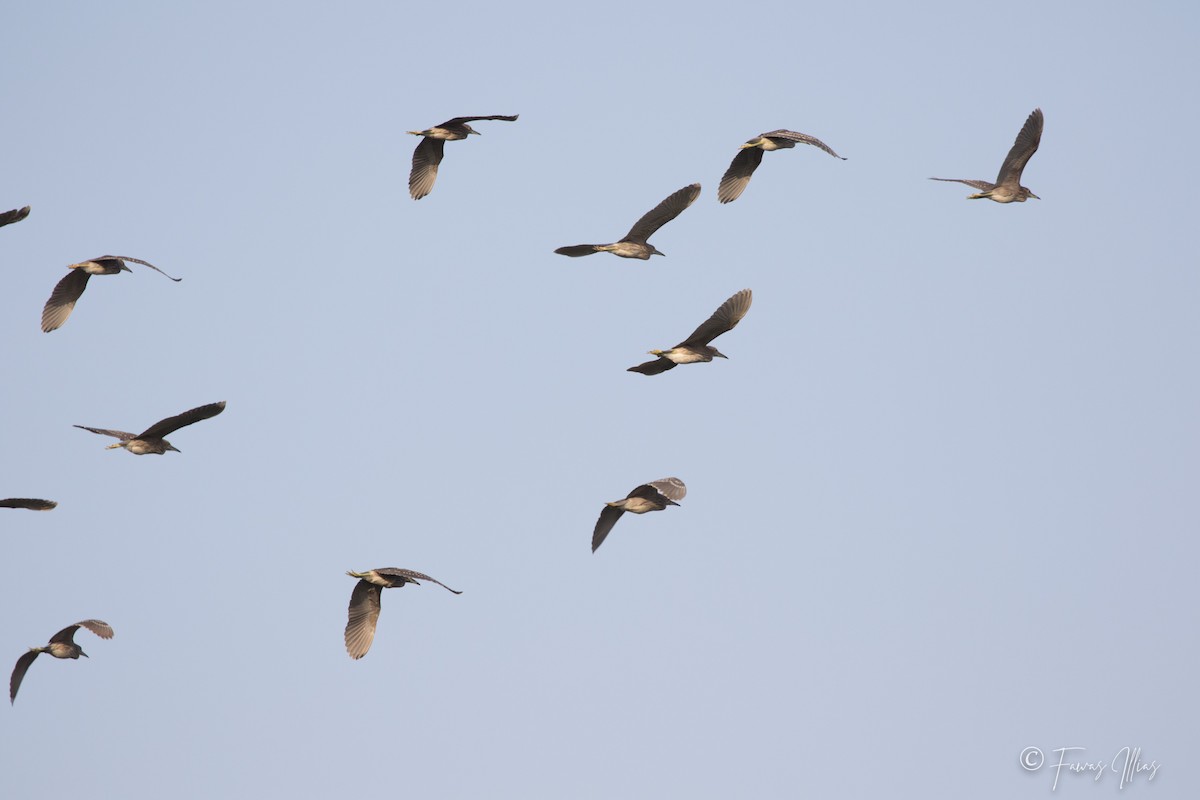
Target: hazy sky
[(942, 498)]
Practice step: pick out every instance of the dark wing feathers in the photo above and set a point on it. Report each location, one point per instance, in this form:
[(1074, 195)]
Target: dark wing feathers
[(414, 575), (723, 320), (136, 261), (363, 614), (801, 138), (18, 673), (671, 488), (655, 367), (577, 250), (661, 214), (464, 120), (737, 177), (28, 502), (16, 215), (425, 162), (124, 436), (170, 424), (1022, 150), (608, 518), (982, 186), (62, 299)]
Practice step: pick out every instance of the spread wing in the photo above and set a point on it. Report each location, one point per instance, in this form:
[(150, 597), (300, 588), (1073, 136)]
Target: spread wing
[(670, 488), (136, 261), (655, 367), (124, 436), (608, 518), (800, 138), (16, 215), (27, 502), (96, 626), (425, 162), (737, 177), (18, 673), (577, 250), (463, 120), (62, 299), (723, 319), (982, 186), (364, 613), (414, 575), (165, 426), (1022, 150), (662, 213)]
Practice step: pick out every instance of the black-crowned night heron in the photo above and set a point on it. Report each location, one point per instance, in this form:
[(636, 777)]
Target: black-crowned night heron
[(652, 496), (364, 603), (737, 177), (62, 645), (27, 502), (634, 244), (16, 215), (429, 153), (695, 347), (62, 299), (151, 440), (1008, 188)]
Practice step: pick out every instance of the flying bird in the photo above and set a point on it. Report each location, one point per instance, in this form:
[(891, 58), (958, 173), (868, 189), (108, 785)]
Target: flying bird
[(695, 347), (16, 215), (429, 153), (364, 603), (27, 502), (652, 496), (1008, 188), (61, 645), (634, 244), (151, 440), (750, 155), (67, 292)]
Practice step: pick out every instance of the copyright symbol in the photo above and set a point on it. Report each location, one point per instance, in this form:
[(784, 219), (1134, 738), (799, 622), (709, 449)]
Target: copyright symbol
[(1031, 759)]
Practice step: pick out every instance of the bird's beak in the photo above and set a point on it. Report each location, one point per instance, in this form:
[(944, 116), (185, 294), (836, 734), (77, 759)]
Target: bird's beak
[(672, 503), (173, 447), (85, 655), (656, 252), (1034, 196), (125, 268)]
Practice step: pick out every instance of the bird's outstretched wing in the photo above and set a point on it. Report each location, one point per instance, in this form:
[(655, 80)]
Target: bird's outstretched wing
[(737, 177), (670, 488), (800, 138), (136, 261), (1022, 150), (661, 214), (723, 319), (62, 299), (608, 518), (425, 162), (124, 436), (655, 367), (414, 575), (18, 673), (27, 502), (363, 614), (577, 250), (16, 215), (165, 426), (464, 120), (982, 186)]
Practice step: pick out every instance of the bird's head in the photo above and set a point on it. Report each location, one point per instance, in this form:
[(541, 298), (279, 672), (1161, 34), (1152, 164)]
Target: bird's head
[(1034, 196), (718, 354), (654, 251), (170, 446), (124, 268), (471, 130), (85, 655)]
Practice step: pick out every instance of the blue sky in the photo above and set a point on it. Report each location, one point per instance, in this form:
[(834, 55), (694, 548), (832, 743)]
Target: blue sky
[(941, 503)]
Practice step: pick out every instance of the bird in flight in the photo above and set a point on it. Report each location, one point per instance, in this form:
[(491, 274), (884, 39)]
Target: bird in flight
[(69, 289), (1008, 188), (364, 603), (429, 151), (151, 440), (61, 645), (750, 155), (696, 347), (652, 496), (634, 244)]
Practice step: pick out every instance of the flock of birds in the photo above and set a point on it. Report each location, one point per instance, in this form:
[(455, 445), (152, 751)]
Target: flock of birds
[(363, 613)]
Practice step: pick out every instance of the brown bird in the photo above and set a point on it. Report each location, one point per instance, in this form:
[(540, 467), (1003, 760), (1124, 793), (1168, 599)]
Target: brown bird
[(16, 215), (652, 496), (62, 645), (737, 177), (69, 289), (429, 153), (364, 603), (1008, 188), (27, 502), (696, 348), (151, 440), (634, 244)]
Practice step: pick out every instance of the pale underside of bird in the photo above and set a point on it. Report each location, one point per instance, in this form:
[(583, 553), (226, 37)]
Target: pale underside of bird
[(151, 440), (69, 289), (1008, 188), (634, 244), (365, 603), (61, 645), (16, 215), (750, 155), (652, 496), (429, 152), (27, 502), (696, 347)]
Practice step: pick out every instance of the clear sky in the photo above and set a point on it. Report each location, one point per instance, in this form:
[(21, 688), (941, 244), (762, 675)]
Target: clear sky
[(942, 498)]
